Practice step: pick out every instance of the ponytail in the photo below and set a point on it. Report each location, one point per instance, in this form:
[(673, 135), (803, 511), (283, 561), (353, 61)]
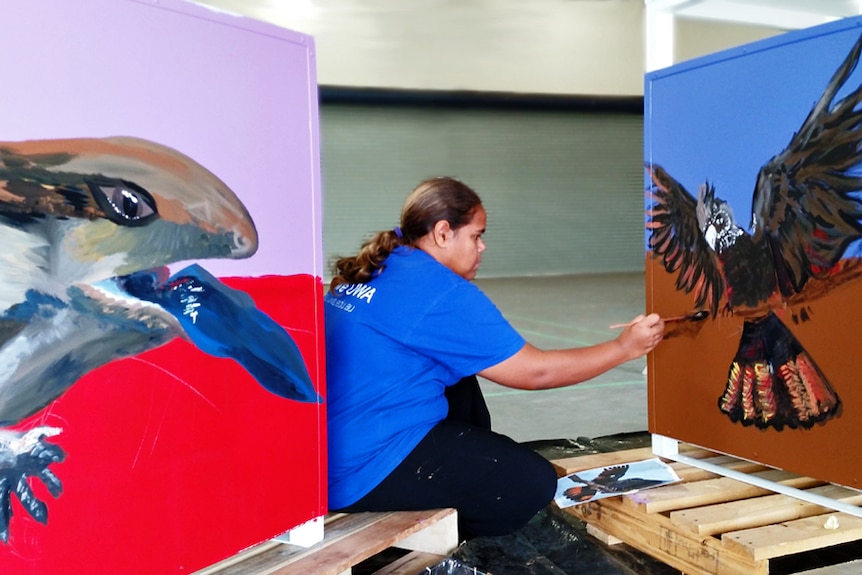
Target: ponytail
[(433, 200), (368, 263)]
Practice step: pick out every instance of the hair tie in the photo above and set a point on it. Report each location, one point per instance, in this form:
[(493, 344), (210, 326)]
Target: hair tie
[(398, 233)]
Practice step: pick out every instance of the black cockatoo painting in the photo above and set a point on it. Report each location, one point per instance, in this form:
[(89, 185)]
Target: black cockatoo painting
[(805, 214), (88, 227)]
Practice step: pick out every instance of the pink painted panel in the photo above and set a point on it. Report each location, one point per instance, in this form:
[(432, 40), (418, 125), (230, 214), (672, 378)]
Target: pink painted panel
[(237, 95), (175, 459)]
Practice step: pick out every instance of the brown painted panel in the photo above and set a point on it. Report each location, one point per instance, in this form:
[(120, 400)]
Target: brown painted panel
[(739, 133), (687, 375)]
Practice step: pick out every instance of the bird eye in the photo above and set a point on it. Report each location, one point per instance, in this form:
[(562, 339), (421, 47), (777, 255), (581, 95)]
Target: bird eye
[(131, 205), (123, 202)]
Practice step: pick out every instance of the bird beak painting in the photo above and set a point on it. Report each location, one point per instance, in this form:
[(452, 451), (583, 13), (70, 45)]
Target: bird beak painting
[(806, 212), (88, 227)]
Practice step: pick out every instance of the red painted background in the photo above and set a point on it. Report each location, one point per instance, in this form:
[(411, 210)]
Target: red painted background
[(163, 472)]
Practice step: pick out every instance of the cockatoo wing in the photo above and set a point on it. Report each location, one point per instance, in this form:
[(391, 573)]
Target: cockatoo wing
[(805, 205), (676, 238)]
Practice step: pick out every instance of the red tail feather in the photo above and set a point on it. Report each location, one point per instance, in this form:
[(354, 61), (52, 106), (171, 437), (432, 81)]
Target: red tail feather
[(773, 382)]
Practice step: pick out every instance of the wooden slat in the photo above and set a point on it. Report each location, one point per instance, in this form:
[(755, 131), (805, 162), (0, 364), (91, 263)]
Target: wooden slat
[(439, 537), (710, 525), (351, 547), (793, 536), (411, 564), (605, 538), (260, 559), (240, 563), (719, 490), (581, 462), (755, 512), (349, 539), (656, 536), (689, 473)]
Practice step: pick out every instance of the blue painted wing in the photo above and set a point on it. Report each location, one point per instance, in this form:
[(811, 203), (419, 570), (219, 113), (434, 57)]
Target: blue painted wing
[(225, 322)]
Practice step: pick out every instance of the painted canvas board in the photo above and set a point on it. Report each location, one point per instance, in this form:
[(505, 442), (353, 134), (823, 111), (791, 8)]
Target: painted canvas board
[(169, 460), (754, 205)]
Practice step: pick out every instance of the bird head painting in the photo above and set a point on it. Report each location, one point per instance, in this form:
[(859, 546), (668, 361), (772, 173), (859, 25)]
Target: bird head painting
[(88, 227), (806, 213)]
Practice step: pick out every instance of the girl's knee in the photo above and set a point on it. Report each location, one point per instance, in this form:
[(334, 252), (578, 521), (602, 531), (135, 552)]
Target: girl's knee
[(534, 491)]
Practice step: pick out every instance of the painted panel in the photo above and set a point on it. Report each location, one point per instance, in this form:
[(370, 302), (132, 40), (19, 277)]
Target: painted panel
[(174, 459), (754, 214)]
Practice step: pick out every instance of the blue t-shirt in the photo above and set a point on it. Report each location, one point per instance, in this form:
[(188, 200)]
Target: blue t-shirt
[(392, 347)]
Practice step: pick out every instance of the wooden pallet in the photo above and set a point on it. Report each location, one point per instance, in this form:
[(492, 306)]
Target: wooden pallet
[(350, 539), (709, 524)]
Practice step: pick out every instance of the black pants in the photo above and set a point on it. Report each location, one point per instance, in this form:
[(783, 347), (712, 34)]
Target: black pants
[(496, 484)]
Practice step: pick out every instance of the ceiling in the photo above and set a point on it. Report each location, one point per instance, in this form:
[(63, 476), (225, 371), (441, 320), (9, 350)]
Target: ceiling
[(784, 14)]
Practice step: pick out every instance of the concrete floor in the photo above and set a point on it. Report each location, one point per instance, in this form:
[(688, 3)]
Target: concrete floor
[(570, 311)]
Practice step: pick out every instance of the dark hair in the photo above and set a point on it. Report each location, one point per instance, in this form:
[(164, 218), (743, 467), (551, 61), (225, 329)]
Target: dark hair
[(432, 201)]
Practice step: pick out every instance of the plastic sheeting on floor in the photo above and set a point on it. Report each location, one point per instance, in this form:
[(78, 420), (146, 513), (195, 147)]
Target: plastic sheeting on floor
[(553, 545), (451, 566)]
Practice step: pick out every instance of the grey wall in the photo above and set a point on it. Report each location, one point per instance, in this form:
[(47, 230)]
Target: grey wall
[(563, 189)]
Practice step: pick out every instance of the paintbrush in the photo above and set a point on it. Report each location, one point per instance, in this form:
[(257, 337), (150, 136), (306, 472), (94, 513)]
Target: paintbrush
[(696, 316)]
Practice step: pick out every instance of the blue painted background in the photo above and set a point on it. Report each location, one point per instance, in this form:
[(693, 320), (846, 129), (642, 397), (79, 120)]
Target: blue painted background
[(721, 117)]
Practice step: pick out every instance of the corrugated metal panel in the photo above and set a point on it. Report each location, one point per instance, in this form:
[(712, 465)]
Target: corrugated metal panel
[(563, 189)]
